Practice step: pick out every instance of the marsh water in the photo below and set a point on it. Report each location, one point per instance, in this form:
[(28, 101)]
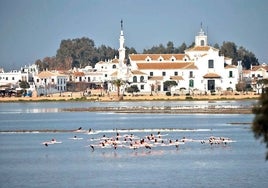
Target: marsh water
[(26, 162)]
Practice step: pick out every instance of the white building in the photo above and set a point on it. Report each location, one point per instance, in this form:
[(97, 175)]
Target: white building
[(200, 69), (14, 77), (48, 82), (255, 74)]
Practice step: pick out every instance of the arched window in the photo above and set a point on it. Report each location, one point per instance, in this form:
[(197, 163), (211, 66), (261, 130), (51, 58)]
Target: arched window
[(114, 66), (142, 79), (135, 79)]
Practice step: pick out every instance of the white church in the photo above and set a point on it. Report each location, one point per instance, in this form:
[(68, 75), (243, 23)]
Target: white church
[(201, 69)]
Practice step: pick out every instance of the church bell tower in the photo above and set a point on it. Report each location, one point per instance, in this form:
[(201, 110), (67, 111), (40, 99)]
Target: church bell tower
[(122, 67), (121, 50), (201, 39)]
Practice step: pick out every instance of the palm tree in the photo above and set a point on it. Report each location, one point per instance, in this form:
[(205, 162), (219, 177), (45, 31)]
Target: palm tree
[(118, 83)]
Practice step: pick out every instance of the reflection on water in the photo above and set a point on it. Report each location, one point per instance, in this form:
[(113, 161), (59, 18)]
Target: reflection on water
[(42, 110), (41, 107)]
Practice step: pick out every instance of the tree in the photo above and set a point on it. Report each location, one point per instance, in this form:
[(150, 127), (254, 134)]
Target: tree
[(241, 86), (118, 83), (182, 48), (41, 65), (81, 50), (170, 48), (261, 84), (260, 122), (156, 50), (216, 46), (229, 49), (133, 89), (169, 83), (248, 58), (24, 85)]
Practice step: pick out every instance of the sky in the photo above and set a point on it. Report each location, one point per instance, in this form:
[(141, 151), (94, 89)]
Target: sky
[(33, 29)]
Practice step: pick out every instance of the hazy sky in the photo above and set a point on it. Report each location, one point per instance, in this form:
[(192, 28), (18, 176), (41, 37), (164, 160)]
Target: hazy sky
[(33, 29)]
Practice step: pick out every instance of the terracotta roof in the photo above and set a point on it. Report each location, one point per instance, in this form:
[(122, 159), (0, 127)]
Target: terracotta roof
[(114, 73), (230, 67), (201, 48), (79, 74), (155, 57), (155, 78), (176, 78), (187, 65), (45, 74), (115, 61), (137, 72), (256, 68), (246, 71), (212, 75), (101, 62)]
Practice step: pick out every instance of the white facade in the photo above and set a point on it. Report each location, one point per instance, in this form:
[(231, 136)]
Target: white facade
[(50, 82), (14, 77), (255, 74), (200, 69)]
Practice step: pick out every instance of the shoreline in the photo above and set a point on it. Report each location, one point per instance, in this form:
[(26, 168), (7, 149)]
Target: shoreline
[(78, 96), (164, 110)]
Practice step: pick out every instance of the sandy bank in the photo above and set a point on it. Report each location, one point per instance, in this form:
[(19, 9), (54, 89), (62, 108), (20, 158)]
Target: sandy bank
[(78, 96)]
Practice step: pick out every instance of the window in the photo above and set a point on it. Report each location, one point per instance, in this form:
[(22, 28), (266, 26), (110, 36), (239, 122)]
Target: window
[(105, 75), (202, 43), (151, 73), (175, 73), (13, 78), (230, 74), (37, 80), (160, 58), (52, 80), (114, 66), (163, 73), (142, 87), (6, 78), (142, 79), (135, 79), (211, 63), (191, 83), (191, 74)]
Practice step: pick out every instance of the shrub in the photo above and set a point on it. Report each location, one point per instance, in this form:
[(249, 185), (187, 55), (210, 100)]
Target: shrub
[(168, 93)]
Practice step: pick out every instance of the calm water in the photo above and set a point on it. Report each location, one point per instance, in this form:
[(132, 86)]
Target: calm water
[(25, 162)]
